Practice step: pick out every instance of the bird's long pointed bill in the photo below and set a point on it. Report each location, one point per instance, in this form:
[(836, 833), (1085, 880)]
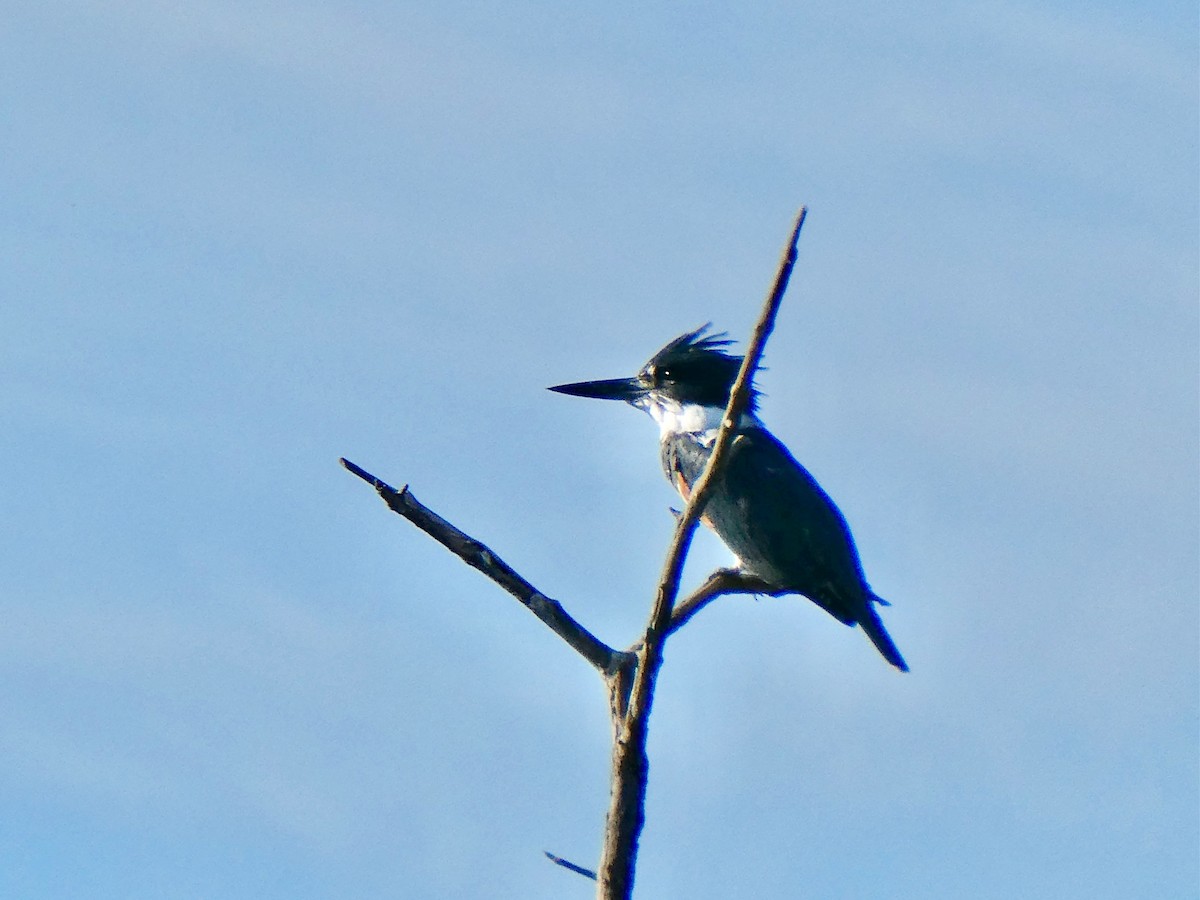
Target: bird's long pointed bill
[(626, 389)]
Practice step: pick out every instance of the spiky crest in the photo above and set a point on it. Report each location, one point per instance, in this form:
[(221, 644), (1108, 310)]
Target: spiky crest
[(695, 368)]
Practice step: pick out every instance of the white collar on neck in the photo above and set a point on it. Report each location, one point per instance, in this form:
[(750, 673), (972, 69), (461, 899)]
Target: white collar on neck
[(690, 418)]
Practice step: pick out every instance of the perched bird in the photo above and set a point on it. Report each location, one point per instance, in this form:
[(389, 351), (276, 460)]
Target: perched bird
[(783, 528)]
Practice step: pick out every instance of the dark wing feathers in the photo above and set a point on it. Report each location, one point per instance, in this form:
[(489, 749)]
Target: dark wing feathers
[(783, 527), (774, 516)]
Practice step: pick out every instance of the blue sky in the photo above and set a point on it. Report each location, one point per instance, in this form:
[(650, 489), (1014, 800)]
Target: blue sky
[(244, 239)]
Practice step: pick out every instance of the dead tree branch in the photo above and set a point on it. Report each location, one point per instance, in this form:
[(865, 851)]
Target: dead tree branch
[(630, 674), (567, 864), (720, 582), (479, 556), (626, 812)]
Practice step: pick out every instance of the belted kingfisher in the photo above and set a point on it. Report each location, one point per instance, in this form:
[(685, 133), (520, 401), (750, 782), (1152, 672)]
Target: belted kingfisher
[(766, 507)]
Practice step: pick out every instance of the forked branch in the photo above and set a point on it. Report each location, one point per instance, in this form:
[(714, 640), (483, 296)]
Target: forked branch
[(626, 812), (630, 674), (720, 582)]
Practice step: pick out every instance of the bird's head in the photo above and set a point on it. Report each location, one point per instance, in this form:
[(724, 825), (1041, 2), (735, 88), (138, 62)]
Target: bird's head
[(684, 386)]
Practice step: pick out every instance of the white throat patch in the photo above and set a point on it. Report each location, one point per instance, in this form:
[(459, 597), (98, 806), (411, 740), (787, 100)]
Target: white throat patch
[(688, 418)]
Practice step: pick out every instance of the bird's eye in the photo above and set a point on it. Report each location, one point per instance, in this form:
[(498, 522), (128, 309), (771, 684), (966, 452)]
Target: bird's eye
[(664, 374)]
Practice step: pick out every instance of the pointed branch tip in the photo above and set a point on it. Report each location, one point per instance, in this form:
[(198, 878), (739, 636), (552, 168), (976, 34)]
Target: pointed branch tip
[(377, 483), (567, 864)]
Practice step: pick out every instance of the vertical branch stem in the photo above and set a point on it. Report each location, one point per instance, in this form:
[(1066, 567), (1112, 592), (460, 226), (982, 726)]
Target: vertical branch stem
[(630, 765)]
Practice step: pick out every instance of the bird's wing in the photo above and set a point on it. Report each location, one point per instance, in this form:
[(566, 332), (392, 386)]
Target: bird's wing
[(783, 526)]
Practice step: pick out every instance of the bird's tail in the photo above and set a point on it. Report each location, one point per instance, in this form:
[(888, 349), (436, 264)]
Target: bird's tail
[(873, 626)]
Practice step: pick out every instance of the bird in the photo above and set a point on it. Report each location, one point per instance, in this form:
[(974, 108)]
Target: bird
[(786, 533)]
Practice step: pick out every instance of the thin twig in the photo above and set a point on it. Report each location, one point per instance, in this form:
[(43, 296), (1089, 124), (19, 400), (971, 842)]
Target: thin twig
[(720, 582), (567, 864), (626, 814), (480, 556)]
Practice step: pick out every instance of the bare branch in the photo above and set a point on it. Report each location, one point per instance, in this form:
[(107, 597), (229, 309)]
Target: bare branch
[(626, 813), (479, 556), (720, 582), (630, 675), (567, 864), (739, 397)]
